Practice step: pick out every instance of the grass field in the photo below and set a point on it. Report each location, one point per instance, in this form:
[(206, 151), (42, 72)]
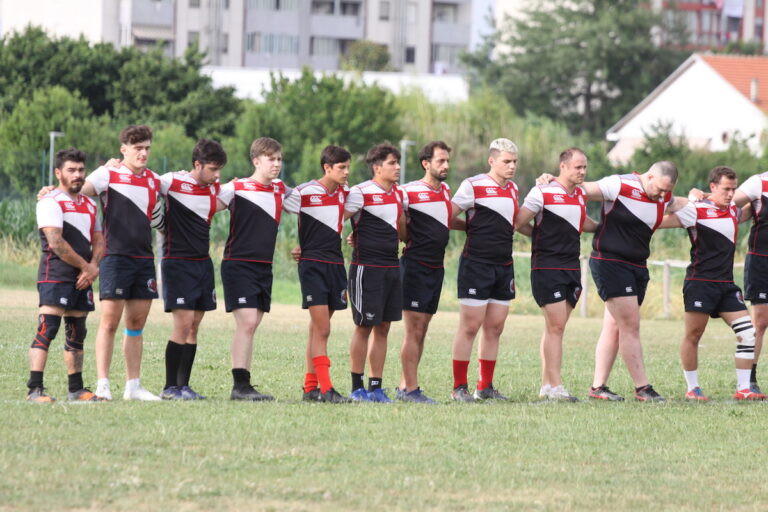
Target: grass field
[(289, 455)]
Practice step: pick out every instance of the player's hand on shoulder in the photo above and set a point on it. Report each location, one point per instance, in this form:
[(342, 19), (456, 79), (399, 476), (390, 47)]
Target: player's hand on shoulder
[(113, 162), (44, 191), (296, 253), (696, 195), (544, 178)]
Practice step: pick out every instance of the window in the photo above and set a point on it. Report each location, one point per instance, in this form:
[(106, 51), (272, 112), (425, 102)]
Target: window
[(445, 56), (323, 46), (194, 4), (193, 38), (322, 7), (273, 5), (411, 13), (410, 55), (350, 8), (445, 13), (256, 42), (224, 43), (384, 10)]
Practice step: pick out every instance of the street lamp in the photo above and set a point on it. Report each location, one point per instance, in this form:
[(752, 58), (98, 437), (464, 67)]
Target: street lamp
[(403, 151), (52, 136)]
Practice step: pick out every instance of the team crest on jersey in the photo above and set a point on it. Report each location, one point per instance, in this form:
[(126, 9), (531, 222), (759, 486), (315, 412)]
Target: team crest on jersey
[(491, 191), (343, 296), (581, 200), (151, 184), (276, 188), (315, 199), (558, 198), (445, 194), (186, 187), (152, 285), (91, 209)]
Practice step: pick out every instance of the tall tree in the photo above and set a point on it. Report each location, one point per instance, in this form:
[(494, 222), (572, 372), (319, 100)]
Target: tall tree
[(586, 62)]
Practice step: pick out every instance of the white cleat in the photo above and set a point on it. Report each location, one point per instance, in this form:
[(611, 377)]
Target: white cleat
[(102, 389), (136, 392), (560, 394)]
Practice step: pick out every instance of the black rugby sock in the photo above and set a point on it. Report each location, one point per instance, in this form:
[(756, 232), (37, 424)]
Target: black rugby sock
[(357, 381), (173, 352), (374, 383), (185, 367), (75, 382), (35, 380)]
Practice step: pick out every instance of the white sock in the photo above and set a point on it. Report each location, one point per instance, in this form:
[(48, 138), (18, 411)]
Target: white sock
[(691, 378), (742, 379), (102, 383), (132, 384)]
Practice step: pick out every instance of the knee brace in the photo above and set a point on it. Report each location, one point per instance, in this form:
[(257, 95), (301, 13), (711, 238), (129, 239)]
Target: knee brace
[(74, 328), (47, 327), (745, 337)]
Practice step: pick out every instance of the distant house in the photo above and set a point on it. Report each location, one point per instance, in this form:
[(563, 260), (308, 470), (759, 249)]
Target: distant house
[(709, 100)]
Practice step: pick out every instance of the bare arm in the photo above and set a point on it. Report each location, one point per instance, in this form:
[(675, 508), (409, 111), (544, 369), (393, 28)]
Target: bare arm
[(97, 247), (670, 221), (590, 225), (676, 205), (402, 228), (523, 221), (593, 191), (220, 205), (746, 213), (62, 249), (741, 199)]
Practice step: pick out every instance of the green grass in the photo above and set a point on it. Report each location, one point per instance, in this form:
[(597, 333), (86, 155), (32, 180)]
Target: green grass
[(290, 455)]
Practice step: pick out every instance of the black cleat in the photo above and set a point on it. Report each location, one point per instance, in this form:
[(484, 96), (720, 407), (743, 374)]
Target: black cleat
[(489, 393), (603, 393), (311, 396), (333, 397), (648, 394), (248, 393)]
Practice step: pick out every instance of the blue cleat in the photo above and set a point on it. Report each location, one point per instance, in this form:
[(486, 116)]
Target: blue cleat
[(171, 393), (360, 395), (378, 395), (415, 396), (187, 393)]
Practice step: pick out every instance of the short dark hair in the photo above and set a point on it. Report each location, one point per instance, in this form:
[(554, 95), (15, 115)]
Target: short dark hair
[(69, 155), (265, 146), (428, 151), (208, 151), (378, 153), (333, 155), (665, 168), (720, 172), (136, 133), (566, 155)]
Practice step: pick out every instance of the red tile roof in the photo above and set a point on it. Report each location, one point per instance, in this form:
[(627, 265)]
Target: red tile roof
[(739, 70)]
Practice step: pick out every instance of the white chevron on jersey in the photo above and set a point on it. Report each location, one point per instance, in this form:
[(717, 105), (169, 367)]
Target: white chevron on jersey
[(723, 221), (435, 203), (56, 208), (199, 199), (315, 200)]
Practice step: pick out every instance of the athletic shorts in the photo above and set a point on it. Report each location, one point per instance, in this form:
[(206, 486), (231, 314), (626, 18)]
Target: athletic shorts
[(550, 286), (756, 279), (323, 284), (65, 295), (483, 281), (376, 294), (619, 279), (188, 284), (712, 298), (421, 286), (247, 284), (125, 278)]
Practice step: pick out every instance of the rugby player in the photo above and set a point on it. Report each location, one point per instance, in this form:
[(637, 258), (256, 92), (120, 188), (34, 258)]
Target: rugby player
[(127, 284), (320, 206), (709, 290), (255, 205), (486, 282), (559, 210), (633, 207), (376, 209), (191, 200), (72, 246), (428, 218)]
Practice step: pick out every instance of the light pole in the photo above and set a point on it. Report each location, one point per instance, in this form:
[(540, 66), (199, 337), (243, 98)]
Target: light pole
[(52, 136), (403, 151)]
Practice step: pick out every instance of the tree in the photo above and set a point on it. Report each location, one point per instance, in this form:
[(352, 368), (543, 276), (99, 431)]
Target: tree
[(586, 62), (366, 56)]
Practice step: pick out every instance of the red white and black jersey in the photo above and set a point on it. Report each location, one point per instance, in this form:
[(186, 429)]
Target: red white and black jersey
[(559, 222), (713, 232), (189, 208), (756, 189), (77, 220), (629, 218), (429, 216), (491, 211), (321, 219), (127, 201), (254, 217), (374, 222)]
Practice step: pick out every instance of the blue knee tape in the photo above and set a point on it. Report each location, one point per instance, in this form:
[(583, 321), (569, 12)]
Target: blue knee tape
[(133, 332)]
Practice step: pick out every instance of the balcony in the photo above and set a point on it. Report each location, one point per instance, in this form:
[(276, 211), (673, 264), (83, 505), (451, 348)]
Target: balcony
[(450, 33), (338, 27)]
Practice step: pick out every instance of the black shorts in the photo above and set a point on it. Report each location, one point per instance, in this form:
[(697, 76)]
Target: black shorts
[(65, 295), (247, 284), (756, 279), (712, 298), (188, 284), (619, 279), (550, 286), (323, 284), (376, 294), (483, 281), (125, 278), (421, 286)]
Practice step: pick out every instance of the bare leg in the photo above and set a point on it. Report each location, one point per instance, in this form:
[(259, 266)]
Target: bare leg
[(377, 350), (136, 313), (246, 322), (416, 325), (606, 351), (555, 317), (111, 311)]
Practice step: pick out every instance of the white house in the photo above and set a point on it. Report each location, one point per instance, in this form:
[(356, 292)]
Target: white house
[(709, 100)]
